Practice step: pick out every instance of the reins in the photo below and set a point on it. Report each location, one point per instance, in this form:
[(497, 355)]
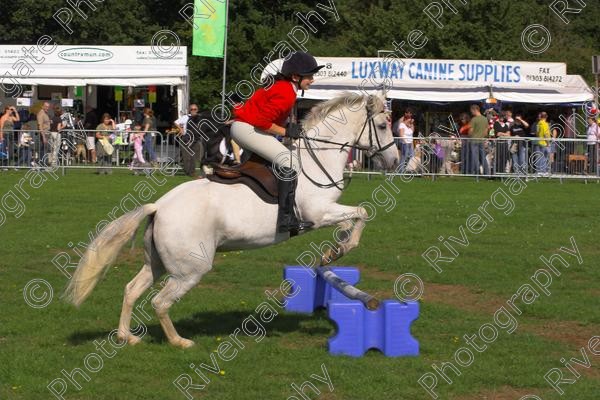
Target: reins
[(371, 151)]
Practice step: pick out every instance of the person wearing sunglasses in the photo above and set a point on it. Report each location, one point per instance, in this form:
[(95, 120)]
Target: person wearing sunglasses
[(191, 150)]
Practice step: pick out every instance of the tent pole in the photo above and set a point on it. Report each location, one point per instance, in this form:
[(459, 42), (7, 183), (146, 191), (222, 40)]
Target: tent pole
[(597, 90), (225, 60)]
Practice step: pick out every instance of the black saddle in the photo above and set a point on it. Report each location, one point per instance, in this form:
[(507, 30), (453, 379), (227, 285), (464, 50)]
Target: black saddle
[(254, 173)]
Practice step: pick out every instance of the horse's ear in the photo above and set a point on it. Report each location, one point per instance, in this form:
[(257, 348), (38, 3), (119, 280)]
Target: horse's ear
[(375, 103), (371, 104), (383, 94)]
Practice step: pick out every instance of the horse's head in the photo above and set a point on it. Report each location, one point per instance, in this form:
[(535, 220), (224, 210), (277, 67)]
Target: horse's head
[(377, 134), (357, 120)]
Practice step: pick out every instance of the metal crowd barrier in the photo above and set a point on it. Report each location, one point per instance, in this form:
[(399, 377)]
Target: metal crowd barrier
[(71, 148), (560, 158), (424, 156)]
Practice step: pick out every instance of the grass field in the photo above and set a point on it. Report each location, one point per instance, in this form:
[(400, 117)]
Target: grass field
[(37, 343)]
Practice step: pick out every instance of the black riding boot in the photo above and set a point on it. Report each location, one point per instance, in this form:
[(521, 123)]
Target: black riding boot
[(287, 221)]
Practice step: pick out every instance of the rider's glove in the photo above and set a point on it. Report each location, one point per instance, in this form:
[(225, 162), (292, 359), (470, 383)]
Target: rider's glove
[(293, 131)]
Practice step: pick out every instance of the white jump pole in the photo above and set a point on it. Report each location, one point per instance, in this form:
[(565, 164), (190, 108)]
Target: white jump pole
[(348, 290)]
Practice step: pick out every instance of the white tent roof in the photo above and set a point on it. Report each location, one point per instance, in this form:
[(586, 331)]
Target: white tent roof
[(116, 80), (448, 80), (575, 90), (88, 65), (438, 95)]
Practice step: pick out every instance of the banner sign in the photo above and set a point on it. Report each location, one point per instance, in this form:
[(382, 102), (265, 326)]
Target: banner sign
[(77, 55), (418, 72)]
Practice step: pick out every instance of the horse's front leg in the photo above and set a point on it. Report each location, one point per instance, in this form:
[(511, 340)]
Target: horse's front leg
[(351, 222)]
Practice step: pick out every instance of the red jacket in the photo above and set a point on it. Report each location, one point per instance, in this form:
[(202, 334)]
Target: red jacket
[(268, 106)]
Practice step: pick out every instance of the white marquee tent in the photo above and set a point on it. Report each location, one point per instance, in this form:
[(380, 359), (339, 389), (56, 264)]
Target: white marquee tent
[(449, 80), (96, 66)]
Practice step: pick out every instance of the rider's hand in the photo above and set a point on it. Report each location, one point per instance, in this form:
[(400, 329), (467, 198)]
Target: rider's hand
[(293, 131)]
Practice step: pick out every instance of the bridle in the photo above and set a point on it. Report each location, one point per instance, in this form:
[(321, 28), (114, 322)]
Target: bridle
[(371, 151)]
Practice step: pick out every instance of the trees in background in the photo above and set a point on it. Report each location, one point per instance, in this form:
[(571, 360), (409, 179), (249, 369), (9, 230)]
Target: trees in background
[(481, 30)]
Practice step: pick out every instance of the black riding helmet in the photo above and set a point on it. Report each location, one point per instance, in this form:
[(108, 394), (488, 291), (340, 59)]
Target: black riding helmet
[(300, 63)]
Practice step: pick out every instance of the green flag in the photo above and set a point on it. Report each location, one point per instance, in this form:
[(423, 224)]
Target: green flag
[(210, 22)]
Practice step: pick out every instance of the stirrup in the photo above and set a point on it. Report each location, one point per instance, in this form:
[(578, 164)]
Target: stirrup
[(295, 228), (301, 227)]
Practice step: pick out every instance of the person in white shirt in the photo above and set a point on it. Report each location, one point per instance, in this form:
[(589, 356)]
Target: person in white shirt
[(509, 118), (593, 135), (406, 128), (182, 121), (191, 150)]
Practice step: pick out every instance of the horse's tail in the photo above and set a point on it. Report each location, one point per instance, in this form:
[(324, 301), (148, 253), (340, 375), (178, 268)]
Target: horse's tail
[(102, 252)]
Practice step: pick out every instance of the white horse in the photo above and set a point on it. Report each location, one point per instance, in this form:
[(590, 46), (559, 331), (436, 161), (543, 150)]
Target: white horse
[(231, 217)]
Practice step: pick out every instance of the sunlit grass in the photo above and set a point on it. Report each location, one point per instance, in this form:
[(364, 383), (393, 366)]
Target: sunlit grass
[(36, 344)]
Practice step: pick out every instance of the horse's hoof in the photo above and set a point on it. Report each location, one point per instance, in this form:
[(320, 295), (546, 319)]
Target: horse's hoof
[(132, 340), (330, 256), (129, 339), (183, 343)]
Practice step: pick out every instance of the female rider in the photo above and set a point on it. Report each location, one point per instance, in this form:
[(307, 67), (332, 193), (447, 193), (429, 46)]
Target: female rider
[(263, 116)]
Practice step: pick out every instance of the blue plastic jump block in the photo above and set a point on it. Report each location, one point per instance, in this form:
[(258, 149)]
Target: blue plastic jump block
[(386, 329), (314, 291)]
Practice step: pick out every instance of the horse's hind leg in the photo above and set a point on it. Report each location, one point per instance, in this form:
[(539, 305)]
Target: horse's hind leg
[(151, 271), (176, 287), (134, 289)]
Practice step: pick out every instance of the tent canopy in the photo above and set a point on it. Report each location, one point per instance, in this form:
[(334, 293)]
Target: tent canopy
[(92, 65), (53, 65), (447, 80)]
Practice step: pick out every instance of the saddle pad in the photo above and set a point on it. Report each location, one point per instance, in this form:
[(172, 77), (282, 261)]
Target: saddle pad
[(269, 198)]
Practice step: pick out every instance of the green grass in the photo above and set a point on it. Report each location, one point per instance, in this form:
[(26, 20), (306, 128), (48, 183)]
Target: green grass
[(36, 344)]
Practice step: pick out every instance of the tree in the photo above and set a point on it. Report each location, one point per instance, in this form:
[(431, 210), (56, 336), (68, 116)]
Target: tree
[(258, 31)]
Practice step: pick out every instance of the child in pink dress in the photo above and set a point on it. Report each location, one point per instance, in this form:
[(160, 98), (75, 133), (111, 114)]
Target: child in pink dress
[(137, 137)]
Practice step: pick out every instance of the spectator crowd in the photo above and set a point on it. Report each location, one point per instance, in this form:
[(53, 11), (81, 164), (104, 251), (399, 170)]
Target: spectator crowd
[(491, 142), (481, 142)]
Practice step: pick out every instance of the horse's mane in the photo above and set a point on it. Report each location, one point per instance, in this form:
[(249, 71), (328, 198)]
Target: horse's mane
[(319, 112)]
